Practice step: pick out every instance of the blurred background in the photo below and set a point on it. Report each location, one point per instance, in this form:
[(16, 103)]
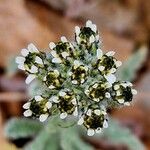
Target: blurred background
[(124, 26)]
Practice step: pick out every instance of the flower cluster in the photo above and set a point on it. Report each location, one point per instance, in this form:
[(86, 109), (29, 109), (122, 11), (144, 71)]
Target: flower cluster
[(79, 80)]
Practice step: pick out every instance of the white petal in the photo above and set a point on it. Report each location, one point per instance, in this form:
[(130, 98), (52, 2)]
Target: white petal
[(107, 95), (94, 28), (89, 112), (127, 104), (56, 60), (90, 132), (32, 48), (98, 130), (51, 87), (20, 60), (78, 39), (21, 66), (53, 53), (121, 101), (99, 53), (43, 117), (63, 115), (64, 54), (74, 102), (77, 30), (95, 85), (61, 93), (116, 87), (24, 52), (63, 39), (105, 124), (110, 53), (27, 105), (27, 113), (134, 92), (75, 113), (97, 37), (74, 81), (92, 39), (30, 78), (89, 23), (48, 105), (38, 60), (101, 68), (111, 78), (97, 112), (33, 69), (80, 122), (54, 99), (86, 92), (56, 72), (52, 45), (113, 70), (38, 98), (118, 63)]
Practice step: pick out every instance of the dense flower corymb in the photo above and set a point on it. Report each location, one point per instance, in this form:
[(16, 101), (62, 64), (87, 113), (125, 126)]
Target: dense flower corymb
[(79, 80)]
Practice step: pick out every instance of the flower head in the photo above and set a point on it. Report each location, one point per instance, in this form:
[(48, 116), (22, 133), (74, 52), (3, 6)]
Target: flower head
[(78, 79)]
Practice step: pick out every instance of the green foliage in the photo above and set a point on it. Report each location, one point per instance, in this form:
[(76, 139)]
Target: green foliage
[(130, 67), (22, 128), (72, 141), (122, 135), (55, 136)]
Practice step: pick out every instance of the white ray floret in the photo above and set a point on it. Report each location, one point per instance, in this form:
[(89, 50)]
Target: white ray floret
[(20, 60), (77, 30), (90, 132), (32, 48), (134, 92), (99, 53), (63, 115), (61, 93), (56, 60), (27, 113), (65, 54), (38, 98), (33, 69), (38, 60), (30, 78), (111, 78), (21, 66), (24, 52), (105, 124), (63, 39), (43, 117), (27, 105), (54, 99), (92, 39), (52, 45), (110, 53), (97, 112), (98, 130), (48, 105), (118, 63), (80, 121), (121, 101)]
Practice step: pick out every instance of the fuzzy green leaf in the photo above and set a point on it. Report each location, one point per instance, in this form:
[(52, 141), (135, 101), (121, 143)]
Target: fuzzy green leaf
[(22, 128), (70, 140), (129, 69), (122, 135), (44, 141), (48, 138)]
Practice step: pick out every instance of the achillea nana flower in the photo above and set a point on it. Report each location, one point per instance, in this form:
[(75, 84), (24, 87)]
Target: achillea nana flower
[(79, 79)]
